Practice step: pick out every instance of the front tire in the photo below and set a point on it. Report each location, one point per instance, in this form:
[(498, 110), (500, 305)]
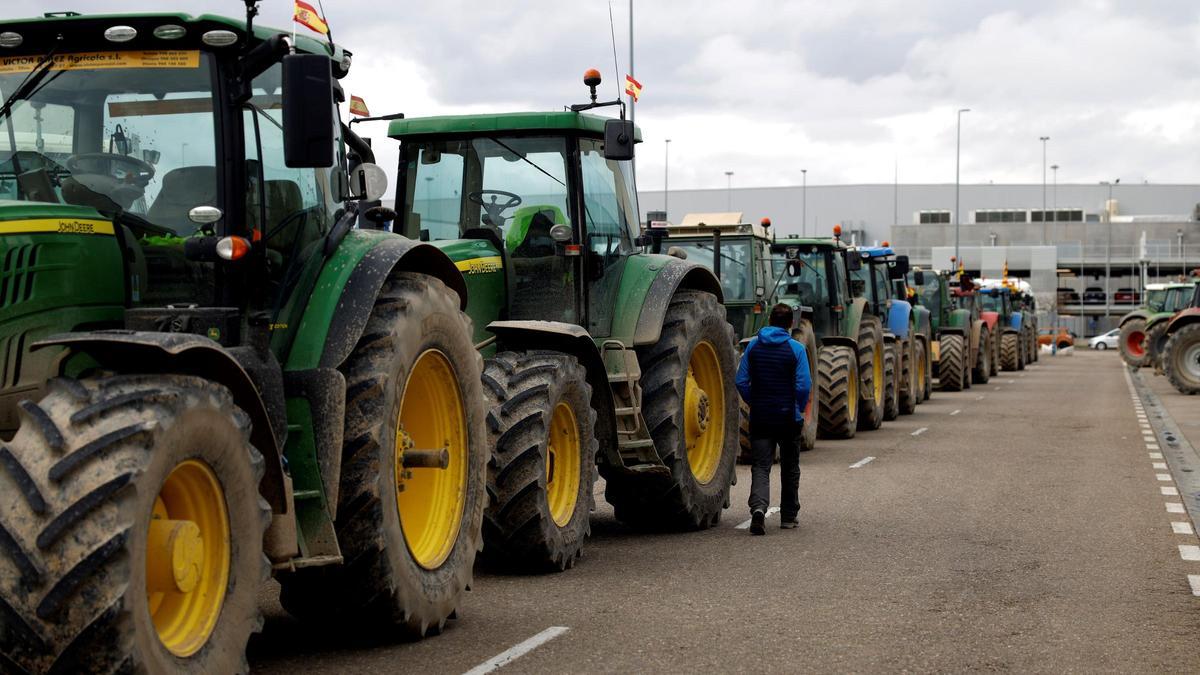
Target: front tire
[(133, 529), (951, 363), (1009, 351), (837, 392), (910, 392), (1181, 358), (983, 359), (871, 376), (891, 374)]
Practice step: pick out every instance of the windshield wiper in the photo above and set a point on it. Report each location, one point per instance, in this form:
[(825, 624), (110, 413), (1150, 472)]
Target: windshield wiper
[(526, 160), (724, 255), (35, 76)]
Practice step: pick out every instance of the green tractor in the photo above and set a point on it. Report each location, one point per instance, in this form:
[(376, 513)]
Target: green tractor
[(1180, 355), (880, 280), (814, 274), (1143, 331), (962, 348), (599, 355), (209, 374)]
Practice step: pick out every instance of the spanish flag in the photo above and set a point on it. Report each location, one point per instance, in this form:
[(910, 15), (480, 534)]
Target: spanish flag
[(359, 106), (632, 87), (308, 16)]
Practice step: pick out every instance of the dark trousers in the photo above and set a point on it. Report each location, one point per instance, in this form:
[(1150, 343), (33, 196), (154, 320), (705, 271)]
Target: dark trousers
[(763, 441)]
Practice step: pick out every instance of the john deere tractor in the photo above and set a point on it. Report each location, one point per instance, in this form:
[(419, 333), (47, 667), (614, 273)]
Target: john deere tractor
[(962, 346), (1144, 330), (882, 278), (599, 355), (209, 375)]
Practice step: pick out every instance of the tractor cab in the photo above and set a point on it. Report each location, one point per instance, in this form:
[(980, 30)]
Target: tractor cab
[(881, 278), (814, 274)]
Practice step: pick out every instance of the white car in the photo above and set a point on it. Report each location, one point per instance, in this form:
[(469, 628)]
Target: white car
[(1105, 341)]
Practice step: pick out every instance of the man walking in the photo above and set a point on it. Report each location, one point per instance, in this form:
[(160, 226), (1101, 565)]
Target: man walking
[(773, 378)]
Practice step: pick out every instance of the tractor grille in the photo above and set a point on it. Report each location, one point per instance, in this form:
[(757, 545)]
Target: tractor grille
[(16, 275)]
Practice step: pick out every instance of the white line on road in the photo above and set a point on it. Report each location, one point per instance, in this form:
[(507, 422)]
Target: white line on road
[(1163, 476), (1152, 446), (1189, 552), (1194, 580), (517, 651), (1168, 491), (1155, 455), (1181, 527), (1175, 507), (746, 525), (1158, 465), (955, 412), (980, 397), (920, 431), (862, 462)]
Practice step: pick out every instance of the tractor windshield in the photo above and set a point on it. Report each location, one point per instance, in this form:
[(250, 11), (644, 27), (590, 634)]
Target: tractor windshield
[(1155, 299), (737, 277), (931, 293), (991, 302), (1177, 299), (809, 287), (123, 132)]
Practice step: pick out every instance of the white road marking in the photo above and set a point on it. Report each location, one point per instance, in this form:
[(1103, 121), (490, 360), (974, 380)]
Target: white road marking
[(1168, 491), (1163, 476), (1175, 507), (1181, 527), (1152, 446), (920, 431), (517, 651), (1189, 552), (862, 462), (746, 525), (1158, 465), (955, 412), (1194, 580), (1155, 455), (997, 388), (980, 397)]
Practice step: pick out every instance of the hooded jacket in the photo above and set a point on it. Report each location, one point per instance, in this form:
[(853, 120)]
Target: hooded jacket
[(773, 378)]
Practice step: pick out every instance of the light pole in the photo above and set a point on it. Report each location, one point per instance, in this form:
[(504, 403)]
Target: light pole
[(1045, 227), (957, 158), (1108, 248), (1054, 204), (728, 190), (804, 203), (666, 178)]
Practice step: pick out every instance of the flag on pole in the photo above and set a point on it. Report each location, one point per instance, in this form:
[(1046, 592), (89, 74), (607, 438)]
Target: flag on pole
[(632, 87), (308, 16), (1005, 269), (359, 106)]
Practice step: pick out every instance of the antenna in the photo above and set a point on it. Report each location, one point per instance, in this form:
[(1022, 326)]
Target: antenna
[(328, 27), (616, 68)]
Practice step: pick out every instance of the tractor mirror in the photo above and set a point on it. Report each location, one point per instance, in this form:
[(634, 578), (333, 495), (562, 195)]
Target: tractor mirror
[(151, 156), (919, 278), (853, 262), (900, 268), (793, 269), (369, 182), (308, 121), (618, 140)]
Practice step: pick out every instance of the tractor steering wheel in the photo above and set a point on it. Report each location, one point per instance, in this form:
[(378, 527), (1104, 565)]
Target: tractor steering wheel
[(495, 210), (98, 172)]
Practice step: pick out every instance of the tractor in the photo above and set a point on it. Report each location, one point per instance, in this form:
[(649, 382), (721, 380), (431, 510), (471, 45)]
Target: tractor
[(600, 356), (1180, 355), (1005, 321), (1143, 331), (211, 374), (962, 349), (880, 280)]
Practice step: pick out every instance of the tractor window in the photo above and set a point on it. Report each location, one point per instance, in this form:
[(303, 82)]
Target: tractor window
[(810, 288), (839, 277), (883, 289), (609, 212), (931, 293), (736, 274)]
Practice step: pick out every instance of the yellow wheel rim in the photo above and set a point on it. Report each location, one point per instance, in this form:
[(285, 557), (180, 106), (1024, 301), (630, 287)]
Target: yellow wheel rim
[(432, 423), (852, 393), (562, 465), (187, 557), (704, 412), (877, 369)]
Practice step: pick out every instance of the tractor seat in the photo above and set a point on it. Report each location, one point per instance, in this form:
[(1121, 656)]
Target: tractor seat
[(806, 294), (182, 190), (529, 234)]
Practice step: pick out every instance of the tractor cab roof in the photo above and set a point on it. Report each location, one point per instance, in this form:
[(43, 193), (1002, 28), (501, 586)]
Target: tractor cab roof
[(487, 124), (875, 251), (702, 225), (782, 244)]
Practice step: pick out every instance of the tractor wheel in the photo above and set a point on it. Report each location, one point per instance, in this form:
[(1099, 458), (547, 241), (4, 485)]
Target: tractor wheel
[(690, 406), (1133, 344), (927, 390), (744, 456), (995, 364), (131, 529), (922, 368), (871, 377), (1181, 359), (812, 412), (1009, 351), (1156, 344), (910, 391), (983, 360), (891, 374), (952, 363), (837, 392), (542, 430), (1022, 356), (409, 534)]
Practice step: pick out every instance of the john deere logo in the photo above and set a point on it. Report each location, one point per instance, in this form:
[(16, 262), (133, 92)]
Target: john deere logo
[(75, 227)]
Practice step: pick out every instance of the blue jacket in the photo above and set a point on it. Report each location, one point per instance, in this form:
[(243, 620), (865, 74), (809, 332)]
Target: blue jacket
[(759, 376)]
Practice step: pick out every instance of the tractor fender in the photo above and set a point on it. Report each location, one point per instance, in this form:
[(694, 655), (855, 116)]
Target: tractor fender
[(342, 301), (991, 319), (648, 285), (569, 338), (899, 318), (1156, 319), (839, 341), (1015, 321), (976, 336), (1183, 318), (922, 320), (854, 314), (187, 354)]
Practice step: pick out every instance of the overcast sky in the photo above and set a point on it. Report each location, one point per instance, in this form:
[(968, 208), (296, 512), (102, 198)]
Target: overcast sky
[(765, 88)]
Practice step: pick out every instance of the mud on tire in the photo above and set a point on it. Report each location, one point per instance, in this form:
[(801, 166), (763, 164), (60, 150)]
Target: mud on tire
[(983, 359), (870, 347), (910, 391), (837, 391), (79, 486), (891, 375), (1181, 359), (1134, 344), (1009, 351), (952, 363)]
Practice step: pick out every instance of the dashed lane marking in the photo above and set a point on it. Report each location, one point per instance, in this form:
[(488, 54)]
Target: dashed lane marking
[(1163, 476), (955, 412), (1183, 527), (1168, 491), (518, 650), (920, 431), (980, 397), (1152, 446), (1155, 455), (1175, 507), (1189, 552), (1158, 465), (746, 525), (1194, 581), (862, 462)]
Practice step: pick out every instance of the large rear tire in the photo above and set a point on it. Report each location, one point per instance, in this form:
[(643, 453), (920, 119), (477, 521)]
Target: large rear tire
[(744, 453), (1010, 351), (131, 529), (871, 377), (951, 363), (812, 412), (1156, 345), (983, 359), (690, 406), (1134, 347), (542, 430), (928, 370), (891, 370), (837, 392), (1181, 358), (910, 392), (409, 536)]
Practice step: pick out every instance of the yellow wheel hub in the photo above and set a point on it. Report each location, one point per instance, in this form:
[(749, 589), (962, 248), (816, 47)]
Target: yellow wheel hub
[(704, 412), (187, 557), (431, 459), (562, 464)]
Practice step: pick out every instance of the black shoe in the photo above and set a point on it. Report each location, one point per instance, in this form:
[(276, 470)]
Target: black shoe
[(757, 523), (789, 523)]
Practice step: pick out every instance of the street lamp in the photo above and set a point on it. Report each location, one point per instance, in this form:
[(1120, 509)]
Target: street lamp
[(957, 157), (1054, 204), (666, 178), (1108, 247), (1045, 227), (804, 203), (728, 190)]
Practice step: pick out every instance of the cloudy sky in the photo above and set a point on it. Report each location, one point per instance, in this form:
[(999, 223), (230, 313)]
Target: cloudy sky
[(848, 90)]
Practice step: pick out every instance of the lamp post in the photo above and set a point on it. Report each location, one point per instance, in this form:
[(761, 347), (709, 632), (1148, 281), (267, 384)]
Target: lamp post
[(728, 190), (1045, 227), (957, 163), (666, 178), (1108, 247), (804, 203)]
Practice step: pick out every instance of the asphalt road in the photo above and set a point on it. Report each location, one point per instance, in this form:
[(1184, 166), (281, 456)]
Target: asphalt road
[(1025, 528)]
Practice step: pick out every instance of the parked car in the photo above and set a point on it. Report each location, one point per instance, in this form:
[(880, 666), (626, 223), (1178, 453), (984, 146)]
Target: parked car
[(1060, 335), (1094, 295), (1106, 341), (1126, 296), (1068, 296)]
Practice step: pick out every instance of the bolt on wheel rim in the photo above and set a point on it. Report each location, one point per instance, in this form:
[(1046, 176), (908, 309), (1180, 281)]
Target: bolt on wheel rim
[(431, 499), (562, 464), (704, 412), (187, 557)]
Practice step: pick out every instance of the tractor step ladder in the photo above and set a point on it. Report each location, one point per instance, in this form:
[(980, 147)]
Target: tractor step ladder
[(624, 378)]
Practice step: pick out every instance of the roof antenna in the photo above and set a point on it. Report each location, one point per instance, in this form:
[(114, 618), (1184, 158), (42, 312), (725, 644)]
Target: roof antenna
[(616, 67)]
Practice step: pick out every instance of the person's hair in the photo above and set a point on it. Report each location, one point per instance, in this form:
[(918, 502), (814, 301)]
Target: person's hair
[(781, 316)]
